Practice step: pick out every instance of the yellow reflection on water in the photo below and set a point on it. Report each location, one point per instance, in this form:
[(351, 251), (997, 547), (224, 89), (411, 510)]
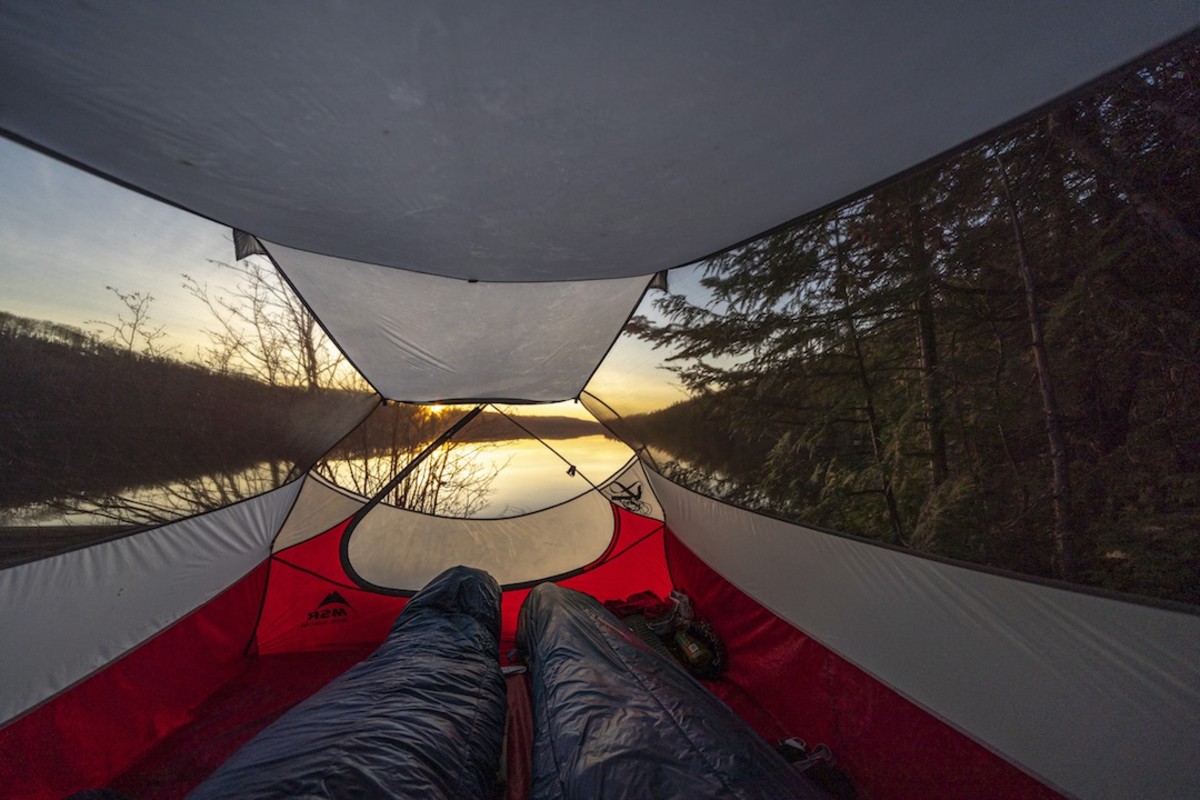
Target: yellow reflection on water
[(525, 474)]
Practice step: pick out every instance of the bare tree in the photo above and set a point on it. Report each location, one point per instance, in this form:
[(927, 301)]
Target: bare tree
[(164, 501), (133, 331), (455, 480), (264, 330)]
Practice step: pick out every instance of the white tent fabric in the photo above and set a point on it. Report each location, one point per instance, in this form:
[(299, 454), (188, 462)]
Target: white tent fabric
[(318, 508), (537, 141), (397, 549), (1109, 691), (402, 550), (66, 616), (631, 489), (424, 338)]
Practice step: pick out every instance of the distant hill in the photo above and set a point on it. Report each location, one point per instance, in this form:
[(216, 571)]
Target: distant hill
[(80, 418)]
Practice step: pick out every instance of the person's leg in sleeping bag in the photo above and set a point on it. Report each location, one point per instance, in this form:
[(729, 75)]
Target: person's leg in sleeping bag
[(422, 717), (613, 719)]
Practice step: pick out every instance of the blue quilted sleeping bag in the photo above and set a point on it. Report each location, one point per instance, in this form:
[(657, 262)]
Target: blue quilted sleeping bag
[(421, 717), (613, 719)]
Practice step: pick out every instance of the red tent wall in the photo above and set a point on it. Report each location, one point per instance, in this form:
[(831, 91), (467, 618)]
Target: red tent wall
[(312, 604), (786, 684), (156, 721), (85, 736)]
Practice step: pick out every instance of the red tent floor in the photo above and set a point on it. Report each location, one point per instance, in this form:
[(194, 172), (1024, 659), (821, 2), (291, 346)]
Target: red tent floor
[(208, 698), (780, 681), (228, 719), (274, 683)]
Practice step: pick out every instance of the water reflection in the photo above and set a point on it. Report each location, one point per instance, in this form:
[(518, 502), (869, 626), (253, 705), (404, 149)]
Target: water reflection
[(151, 503), (478, 479), (487, 479), (532, 480)]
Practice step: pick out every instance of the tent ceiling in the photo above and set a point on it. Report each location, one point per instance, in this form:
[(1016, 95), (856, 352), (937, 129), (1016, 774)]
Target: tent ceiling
[(425, 338), (539, 140)]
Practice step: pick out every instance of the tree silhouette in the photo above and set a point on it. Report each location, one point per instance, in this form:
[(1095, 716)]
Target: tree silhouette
[(133, 331), (453, 481), (264, 330)]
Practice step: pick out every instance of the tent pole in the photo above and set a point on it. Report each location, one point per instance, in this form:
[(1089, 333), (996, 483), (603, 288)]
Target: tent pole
[(412, 465)]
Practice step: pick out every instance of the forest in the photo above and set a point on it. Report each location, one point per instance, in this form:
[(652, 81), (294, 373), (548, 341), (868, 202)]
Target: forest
[(115, 429), (994, 358), (83, 419)]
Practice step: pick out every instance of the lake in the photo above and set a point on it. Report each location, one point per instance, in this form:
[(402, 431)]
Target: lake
[(522, 475)]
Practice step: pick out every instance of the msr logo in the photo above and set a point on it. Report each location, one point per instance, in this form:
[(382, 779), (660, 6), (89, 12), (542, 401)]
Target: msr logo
[(334, 608)]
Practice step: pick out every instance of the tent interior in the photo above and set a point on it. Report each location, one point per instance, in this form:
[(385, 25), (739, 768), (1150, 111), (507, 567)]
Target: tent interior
[(873, 331)]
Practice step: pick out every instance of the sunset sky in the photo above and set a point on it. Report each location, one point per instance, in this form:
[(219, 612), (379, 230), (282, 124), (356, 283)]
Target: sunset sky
[(66, 235)]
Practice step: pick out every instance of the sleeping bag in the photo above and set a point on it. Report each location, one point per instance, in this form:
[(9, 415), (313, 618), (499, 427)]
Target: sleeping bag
[(613, 719), (421, 717)]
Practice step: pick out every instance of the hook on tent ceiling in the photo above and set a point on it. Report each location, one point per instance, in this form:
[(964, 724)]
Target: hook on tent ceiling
[(246, 245)]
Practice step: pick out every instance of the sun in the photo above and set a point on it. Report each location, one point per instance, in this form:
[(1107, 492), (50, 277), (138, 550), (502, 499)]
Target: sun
[(436, 408)]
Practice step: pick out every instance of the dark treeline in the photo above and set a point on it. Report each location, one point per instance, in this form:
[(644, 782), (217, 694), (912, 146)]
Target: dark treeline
[(367, 459), (130, 437), (82, 420), (996, 359), (399, 426), (543, 427)]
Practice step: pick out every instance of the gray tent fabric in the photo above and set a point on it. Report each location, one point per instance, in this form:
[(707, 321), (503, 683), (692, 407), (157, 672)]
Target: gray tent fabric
[(537, 141), (1089, 671), (425, 338), (69, 615)]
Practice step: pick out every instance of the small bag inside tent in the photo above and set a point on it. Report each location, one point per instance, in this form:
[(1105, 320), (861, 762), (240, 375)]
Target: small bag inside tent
[(528, 358)]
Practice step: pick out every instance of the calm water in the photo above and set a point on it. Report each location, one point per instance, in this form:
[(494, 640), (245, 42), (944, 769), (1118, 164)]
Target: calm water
[(522, 475), (527, 475)]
